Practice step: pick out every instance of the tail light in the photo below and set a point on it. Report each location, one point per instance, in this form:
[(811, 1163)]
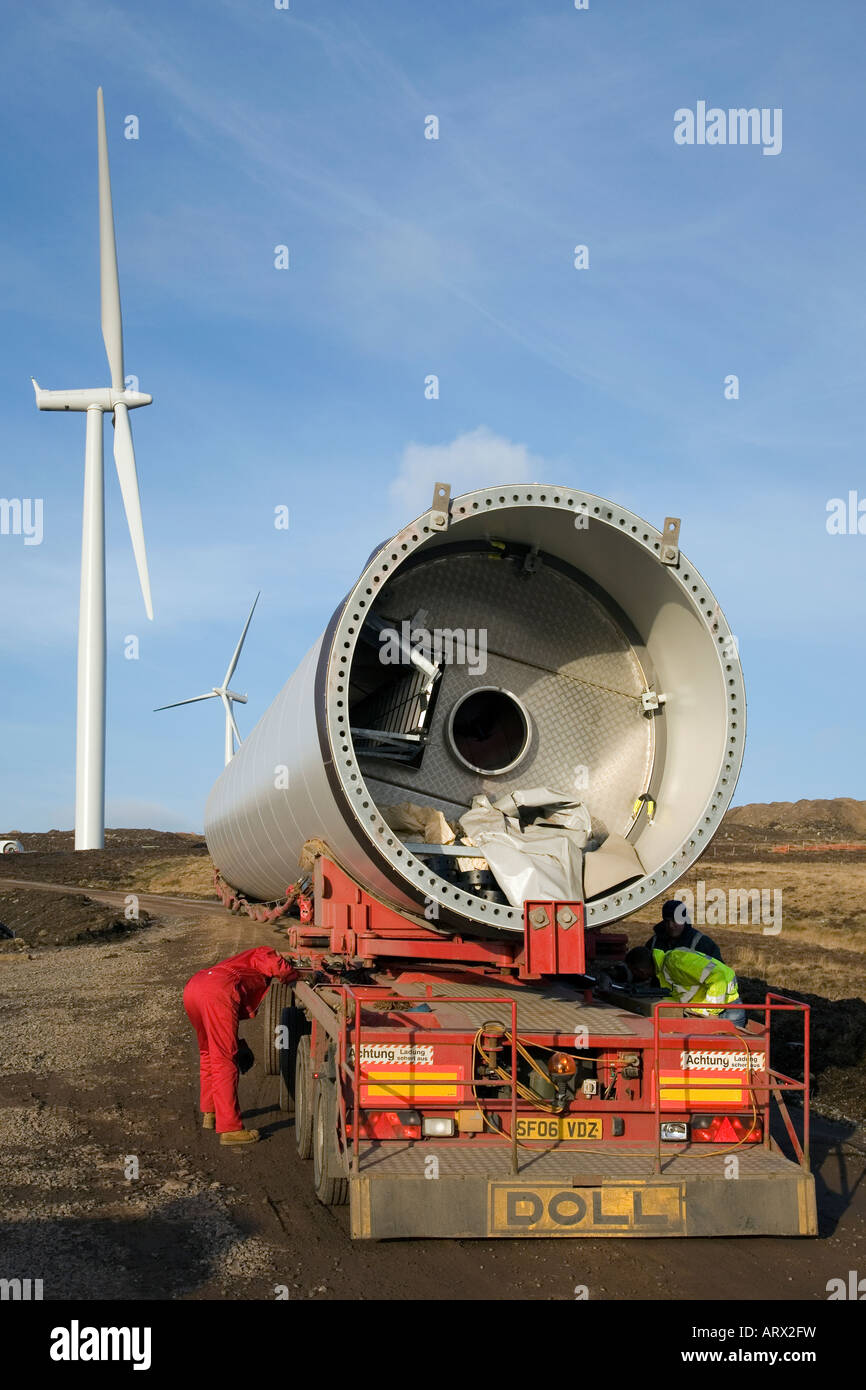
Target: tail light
[(388, 1124), (727, 1129)]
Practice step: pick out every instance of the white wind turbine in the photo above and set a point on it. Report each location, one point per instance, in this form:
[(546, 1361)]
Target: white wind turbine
[(223, 692), (116, 400)]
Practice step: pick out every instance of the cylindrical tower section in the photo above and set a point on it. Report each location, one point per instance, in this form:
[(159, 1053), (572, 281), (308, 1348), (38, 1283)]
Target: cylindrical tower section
[(538, 636)]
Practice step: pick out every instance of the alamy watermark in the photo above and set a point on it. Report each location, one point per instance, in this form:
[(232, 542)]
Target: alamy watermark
[(716, 908), (77, 1343), (737, 126), (22, 516), (853, 1288), (20, 1290), (449, 646), (846, 516)]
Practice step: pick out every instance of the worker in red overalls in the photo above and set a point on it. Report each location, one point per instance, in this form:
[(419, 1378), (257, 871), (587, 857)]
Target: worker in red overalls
[(215, 999)]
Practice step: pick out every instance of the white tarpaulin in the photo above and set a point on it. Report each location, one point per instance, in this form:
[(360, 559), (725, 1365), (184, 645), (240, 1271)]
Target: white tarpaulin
[(413, 822), (613, 864), (533, 842)]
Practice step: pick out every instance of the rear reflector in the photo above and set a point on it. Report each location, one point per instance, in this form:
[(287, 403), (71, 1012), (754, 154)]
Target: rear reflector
[(388, 1124), (727, 1129)]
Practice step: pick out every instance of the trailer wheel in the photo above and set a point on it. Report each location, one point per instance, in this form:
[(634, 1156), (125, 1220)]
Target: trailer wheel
[(304, 1099), (294, 1021), (329, 1178), (278, 997)]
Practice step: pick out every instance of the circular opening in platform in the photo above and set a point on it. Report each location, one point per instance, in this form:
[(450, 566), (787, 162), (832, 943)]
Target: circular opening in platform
[(489, 730)]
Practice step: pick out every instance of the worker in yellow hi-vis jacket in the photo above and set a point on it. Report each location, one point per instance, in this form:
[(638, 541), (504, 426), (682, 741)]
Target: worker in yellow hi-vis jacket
[(702, 985)]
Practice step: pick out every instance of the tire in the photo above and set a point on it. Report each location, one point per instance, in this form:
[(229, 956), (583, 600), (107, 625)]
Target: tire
[(329, 1175), (287, 1100), (278, 997), (9, 849), (294, 1021), (304, 1099)]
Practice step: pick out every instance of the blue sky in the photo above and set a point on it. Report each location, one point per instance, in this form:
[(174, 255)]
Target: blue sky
[(260, 127)]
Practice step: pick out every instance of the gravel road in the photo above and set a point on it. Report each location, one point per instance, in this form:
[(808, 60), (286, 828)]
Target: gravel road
[(111, 1189)]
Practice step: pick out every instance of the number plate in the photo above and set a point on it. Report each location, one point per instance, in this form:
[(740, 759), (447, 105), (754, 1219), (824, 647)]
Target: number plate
[(558, 1127)]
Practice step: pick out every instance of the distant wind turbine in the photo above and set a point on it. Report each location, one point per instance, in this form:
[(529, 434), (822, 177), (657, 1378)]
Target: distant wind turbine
[(222, 692), (116, 400)]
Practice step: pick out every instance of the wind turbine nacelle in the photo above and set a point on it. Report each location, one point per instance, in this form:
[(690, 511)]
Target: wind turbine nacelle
[(104, 398), (573, 647)]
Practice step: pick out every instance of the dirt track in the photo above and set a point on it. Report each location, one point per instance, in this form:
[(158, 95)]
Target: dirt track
[(150, 902), (99, 1065)]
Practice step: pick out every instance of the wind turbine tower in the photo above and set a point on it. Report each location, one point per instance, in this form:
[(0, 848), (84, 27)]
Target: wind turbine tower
[(118, 401)]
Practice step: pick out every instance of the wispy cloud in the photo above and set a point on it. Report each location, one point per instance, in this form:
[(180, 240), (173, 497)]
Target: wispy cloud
[(473, 460)]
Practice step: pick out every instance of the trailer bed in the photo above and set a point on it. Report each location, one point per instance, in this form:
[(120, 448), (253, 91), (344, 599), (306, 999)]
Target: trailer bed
[(553, 1008)]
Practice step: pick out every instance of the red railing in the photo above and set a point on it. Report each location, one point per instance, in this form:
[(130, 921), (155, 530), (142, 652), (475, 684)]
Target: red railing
[(776, 1082)]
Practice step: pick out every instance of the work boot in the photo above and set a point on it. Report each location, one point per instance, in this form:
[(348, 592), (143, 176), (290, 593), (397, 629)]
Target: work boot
[(239, 1136), (208, 1119)]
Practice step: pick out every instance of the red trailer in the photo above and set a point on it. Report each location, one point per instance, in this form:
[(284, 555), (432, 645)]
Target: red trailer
[(458, 1087)]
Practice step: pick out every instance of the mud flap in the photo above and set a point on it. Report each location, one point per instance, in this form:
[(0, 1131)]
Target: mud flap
[(395, 1207)]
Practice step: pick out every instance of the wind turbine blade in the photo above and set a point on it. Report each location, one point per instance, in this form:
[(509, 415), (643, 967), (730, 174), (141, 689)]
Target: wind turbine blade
[(212, 695), (230, 716), (231, 729), (234, 661), (112, 325), (124, 457)]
